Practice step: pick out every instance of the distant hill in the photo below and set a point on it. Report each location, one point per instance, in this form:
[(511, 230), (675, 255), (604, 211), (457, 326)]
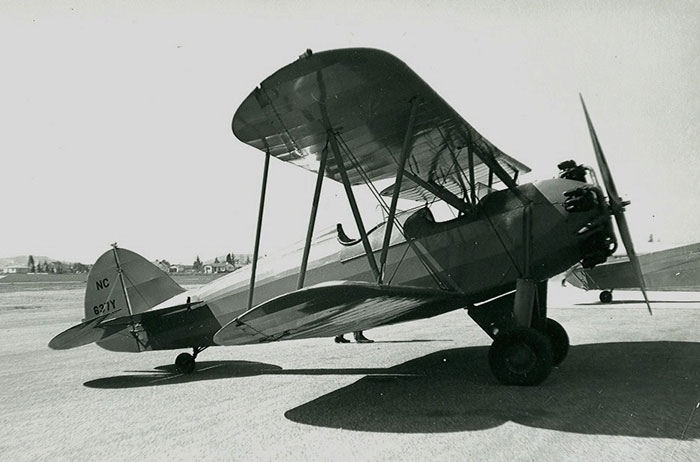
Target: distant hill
[(22, 260)]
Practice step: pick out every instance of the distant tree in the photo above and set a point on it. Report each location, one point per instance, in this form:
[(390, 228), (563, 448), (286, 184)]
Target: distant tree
[(30, 265), (197, 264), (78, 268), (228, 259), (58, 267), (41, 267), (216, 259)]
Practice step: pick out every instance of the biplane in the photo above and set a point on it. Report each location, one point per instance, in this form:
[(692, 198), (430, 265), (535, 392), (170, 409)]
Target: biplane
[(676, 269), (358, 117)]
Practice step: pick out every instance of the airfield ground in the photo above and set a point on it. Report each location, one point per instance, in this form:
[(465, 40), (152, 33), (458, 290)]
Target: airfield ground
[(629, 390)]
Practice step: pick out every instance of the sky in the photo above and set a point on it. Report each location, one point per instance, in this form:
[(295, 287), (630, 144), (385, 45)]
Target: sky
[(116, 115)]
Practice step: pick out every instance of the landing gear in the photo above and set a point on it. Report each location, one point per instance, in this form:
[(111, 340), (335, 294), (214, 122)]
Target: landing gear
[(521, 356), (526, 343), (606, 296), (557, 338), (185, 362)]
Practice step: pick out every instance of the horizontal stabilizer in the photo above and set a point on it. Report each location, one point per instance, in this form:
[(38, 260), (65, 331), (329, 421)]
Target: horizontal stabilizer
[(84, 333), (335, 308), (100, 328)]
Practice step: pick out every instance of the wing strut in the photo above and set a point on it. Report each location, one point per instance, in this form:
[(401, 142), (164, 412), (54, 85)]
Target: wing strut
[(460, 179), (331, 138), (261, 209), (312, 218), (405, 152), (353, 204), (431, 266), (472, 182), (439, 192), (487, 157)]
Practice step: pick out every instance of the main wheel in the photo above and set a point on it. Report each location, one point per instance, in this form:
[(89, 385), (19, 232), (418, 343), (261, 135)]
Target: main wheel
[(185, 364), (558, 338), (521, 356), (606, 296)]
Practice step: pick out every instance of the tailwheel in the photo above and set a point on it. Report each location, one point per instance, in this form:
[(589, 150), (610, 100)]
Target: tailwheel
[(521, 356), (558, 338), (185, 364), (606, 296)]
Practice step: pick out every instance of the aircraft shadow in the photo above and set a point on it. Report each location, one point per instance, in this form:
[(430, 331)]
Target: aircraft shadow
[(630, 302), (644, 389), (213, 370), (640, 389), (412, 341)]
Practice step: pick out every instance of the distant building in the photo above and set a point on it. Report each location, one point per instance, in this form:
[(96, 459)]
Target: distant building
[(162, 265), (242, 259), (18, 269), (211, 268), (181, 269)]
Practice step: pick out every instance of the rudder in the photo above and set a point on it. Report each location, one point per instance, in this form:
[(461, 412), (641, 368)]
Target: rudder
[(146, 285)]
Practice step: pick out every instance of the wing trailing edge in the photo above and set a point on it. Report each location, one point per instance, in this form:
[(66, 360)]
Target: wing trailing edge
[(335, 308)]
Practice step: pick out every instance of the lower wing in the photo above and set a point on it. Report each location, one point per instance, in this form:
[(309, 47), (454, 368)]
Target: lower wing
[(335, 308)]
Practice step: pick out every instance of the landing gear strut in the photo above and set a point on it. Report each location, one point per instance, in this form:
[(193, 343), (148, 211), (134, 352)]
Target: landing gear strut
[(185, 362), (526, 344)]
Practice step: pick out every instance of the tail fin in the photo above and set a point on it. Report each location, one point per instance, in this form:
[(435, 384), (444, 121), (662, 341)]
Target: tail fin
[(141, 285)]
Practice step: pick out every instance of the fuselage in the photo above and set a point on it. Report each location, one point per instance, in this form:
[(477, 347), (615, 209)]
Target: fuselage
[(480, 254)]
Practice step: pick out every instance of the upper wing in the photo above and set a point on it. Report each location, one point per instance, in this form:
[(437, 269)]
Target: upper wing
[(412, 191), (335, 308), (363, 95)]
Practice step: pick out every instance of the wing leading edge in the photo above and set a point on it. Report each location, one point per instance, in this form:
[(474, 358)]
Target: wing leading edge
[(335, 308), (364, 96)]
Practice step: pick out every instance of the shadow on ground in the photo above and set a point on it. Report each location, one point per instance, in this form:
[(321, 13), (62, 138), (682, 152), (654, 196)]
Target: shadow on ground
[(646, 389), (213, 370), (637, 302), (640, 389)]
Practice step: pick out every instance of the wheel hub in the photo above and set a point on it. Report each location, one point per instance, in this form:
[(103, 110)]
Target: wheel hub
[(520, 358)]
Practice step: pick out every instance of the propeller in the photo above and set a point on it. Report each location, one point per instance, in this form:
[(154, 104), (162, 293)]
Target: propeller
[(617, 205)]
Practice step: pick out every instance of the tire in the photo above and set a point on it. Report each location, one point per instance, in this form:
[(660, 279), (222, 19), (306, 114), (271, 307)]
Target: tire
[(521, 356), (559, 340), (185, 364), (606, 296)]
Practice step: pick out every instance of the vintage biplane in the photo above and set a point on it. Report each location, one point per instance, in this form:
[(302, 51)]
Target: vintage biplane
[(360, 116), (676, 269)]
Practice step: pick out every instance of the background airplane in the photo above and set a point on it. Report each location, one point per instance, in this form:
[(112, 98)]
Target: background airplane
[(676, 269), (360, 116)]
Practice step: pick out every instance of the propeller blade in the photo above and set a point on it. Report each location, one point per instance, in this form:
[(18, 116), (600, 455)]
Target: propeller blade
[(627, 241), (618, 206)]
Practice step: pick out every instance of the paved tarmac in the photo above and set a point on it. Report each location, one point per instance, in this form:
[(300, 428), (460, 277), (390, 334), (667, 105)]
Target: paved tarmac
[(629, 390)]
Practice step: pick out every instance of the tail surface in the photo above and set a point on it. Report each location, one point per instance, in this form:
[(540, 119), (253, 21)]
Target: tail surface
[(121, 284), (124, 282)]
